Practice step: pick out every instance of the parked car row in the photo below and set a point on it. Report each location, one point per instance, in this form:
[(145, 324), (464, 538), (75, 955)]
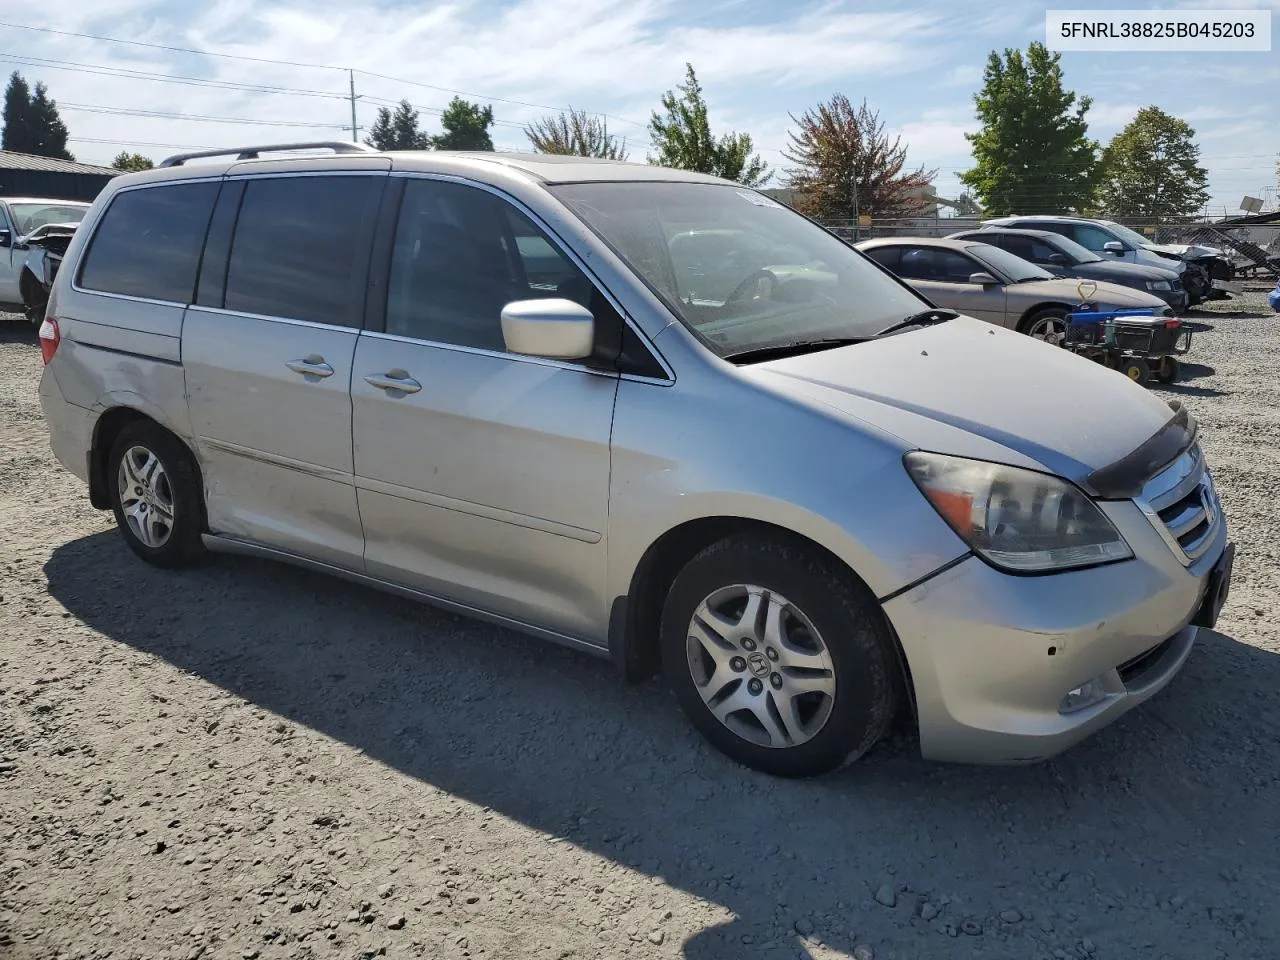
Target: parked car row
[(990, 283), (653, 415), (1207, 273)]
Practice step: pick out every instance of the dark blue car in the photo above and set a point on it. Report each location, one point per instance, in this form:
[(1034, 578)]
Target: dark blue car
[(1063, 257)]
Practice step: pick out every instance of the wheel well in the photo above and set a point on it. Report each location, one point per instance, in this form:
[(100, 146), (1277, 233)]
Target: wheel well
[(105, 432), (1026, 317), (28, 286), (636, 619)]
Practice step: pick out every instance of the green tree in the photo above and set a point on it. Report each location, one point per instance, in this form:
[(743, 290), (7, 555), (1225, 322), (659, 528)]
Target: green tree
[(682, 137), (1032, 154), (131, 162), (1151, 169), (847, 165), (465, 126), (31, 121), (576, 133), (398, 130)]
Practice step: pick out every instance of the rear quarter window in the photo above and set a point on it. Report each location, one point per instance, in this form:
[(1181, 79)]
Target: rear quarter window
[(148, 243)]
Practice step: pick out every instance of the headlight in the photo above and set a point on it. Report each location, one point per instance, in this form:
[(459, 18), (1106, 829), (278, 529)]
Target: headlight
[(1018, 520), (1158, 285)]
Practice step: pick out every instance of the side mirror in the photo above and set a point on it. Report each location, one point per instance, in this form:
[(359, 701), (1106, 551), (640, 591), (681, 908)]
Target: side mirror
[(983, 279), (1114, 246), (6, 238), (1057, 259), (553, 328)]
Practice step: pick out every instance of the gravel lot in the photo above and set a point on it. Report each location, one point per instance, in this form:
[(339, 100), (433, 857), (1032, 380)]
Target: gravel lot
[(251, 761)]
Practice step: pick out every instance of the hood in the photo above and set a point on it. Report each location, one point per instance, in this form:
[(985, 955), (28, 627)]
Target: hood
[(50, 230), (1066, 290), (1184, 251), (968, 388), (1123, 273)]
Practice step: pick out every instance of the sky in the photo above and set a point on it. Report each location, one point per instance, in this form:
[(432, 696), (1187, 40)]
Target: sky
[(918, 62)]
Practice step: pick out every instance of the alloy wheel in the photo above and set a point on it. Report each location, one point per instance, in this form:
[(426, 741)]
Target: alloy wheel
[(760, 666), (146, 497)]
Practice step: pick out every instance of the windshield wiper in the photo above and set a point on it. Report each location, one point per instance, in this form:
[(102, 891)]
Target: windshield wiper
[(793, 348), (926, 318)]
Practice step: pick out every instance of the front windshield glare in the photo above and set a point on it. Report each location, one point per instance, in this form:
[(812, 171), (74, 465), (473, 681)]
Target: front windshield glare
[(29, 216), (1012, 266), (741, 270), (1131, 237), (1073, 251)]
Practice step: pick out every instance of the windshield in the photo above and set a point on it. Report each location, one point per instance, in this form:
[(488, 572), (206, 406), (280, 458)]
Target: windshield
[(1131, 237), (29, 216), (1013, 267), (742, 271)]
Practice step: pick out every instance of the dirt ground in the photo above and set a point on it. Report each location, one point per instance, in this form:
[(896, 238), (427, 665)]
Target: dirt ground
[(251, 761)]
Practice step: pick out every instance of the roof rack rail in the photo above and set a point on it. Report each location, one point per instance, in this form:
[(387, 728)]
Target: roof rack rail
[(251, 153)]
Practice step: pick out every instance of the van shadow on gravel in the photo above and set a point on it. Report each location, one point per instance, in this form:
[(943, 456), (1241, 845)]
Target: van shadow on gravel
[(1161, 825)]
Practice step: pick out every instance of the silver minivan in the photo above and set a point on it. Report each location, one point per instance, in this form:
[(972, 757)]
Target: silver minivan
[(653, 415)]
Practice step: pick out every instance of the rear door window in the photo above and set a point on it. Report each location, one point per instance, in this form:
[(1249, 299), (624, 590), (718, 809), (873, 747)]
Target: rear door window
[(148, 242), (301, 248)]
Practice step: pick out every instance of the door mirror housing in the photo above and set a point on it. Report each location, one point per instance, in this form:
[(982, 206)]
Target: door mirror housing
[(1057, 260), (553, 328), (1114, 246), (983, 279)]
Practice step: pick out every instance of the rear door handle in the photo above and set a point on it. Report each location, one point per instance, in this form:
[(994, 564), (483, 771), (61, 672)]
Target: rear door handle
[(395, 380), (312, 366)]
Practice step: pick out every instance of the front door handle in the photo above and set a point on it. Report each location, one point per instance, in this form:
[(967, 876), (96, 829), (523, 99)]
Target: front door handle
[(395, 380), (312, 366)]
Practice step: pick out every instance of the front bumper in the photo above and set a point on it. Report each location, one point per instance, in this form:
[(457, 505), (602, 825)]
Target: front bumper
[(993, 656)]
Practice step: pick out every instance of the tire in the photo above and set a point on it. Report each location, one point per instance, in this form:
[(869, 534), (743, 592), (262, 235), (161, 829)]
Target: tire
[(827, 730), (165, 480), (1049, 325), (1169, 370), (1136, 369)]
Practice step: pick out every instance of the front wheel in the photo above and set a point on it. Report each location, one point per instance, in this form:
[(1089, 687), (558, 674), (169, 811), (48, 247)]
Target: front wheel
[(783, 662), (1049, 325)]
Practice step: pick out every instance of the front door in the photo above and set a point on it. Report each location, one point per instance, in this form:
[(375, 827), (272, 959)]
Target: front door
[(942, 275), (268, 365), (482, 475), (12, 261)]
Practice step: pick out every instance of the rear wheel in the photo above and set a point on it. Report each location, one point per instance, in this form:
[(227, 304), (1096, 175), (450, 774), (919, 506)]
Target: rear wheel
[(1168, 370), (782, 661), (156, 495)]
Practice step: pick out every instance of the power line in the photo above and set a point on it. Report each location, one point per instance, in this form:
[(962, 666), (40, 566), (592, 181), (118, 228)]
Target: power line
[(161, 46), (138, 143), (164, 115), (125, 73), (294, 63)]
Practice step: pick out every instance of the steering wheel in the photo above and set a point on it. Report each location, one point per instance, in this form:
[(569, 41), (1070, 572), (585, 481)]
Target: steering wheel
[(761, 285)]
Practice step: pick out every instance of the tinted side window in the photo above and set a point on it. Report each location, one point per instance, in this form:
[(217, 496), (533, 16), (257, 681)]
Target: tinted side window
[(1028, 248), (149, 241), (931, 263), (887, 257), (301, 248), (460, 256)]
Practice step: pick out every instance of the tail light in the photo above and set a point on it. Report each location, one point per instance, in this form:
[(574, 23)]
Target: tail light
[(1172, 324), (50, 337)]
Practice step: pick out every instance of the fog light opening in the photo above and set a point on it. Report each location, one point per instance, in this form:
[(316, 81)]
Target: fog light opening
[(1084, 696)]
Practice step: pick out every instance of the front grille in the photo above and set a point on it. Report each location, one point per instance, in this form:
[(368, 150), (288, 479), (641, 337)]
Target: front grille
[(1182, 505)]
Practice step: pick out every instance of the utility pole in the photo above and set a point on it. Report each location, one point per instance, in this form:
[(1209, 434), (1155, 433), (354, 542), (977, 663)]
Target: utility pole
[(355, 136)]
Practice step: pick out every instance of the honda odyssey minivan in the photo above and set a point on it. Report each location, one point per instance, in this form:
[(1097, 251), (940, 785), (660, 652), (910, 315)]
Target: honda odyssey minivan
[(530, 389)]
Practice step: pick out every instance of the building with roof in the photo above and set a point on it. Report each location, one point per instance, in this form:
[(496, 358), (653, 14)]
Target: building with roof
[(28, 175)]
